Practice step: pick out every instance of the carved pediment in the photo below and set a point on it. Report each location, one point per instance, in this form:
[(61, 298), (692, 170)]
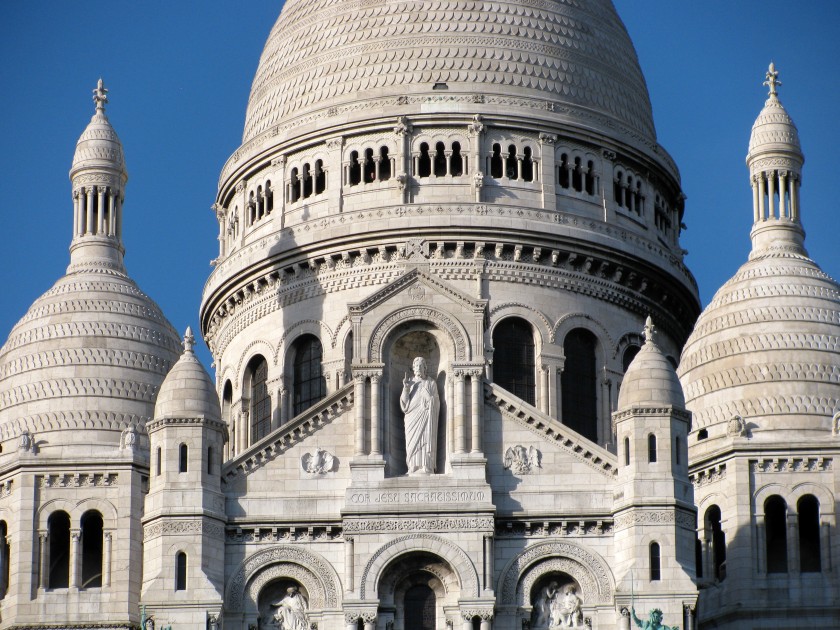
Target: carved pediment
[(417, 287)]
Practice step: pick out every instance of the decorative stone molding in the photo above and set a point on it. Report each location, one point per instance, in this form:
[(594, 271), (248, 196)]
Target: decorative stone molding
[(554, 528), (708, 475), (522, 461), (324, 587), (69, 420), (767, 406), (197, 526), (459, 337), (588, 569), (77, 480), (439, 524), (411, 543), (815, 463), (298, 532), (683, 519)]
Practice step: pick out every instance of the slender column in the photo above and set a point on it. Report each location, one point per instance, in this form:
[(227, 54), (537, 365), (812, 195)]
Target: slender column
[(488, 562), (486, 622), (689, 617), (519, 160), (118, 215), (559, 406), (349, 562), (793, 542), (243, 430), (771, 196), (761, 551), (100, 205), (42, 556), (106, 560), (552, 391), (467, 622), (3, 566), (415, 160), (75, 559), (825, 548), (448, 155), (784, 210), (460, 429), (359, 403), (283, 396), (794, 199), (376, 164), (370, 621), (544, 389), (77, 215), (475, 420), (755, 201), (274, 394), (450, 415), (375, 448), (762, 212), (89, 227)]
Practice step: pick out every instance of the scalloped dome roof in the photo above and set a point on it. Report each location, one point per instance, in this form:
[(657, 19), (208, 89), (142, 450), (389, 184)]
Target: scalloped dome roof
[(650, 380), (90, 353), (329, 58), (767, 347), (99, 145), (187, 391)]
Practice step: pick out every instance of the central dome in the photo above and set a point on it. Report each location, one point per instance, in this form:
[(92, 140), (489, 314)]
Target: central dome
[(575, 60)]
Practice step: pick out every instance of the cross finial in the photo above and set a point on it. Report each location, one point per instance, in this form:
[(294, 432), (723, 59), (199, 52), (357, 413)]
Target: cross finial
[(100, 96), (189, 340), (772, 79), (650, 331)]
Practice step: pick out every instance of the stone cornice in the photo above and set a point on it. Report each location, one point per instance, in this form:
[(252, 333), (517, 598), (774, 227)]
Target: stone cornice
[(160, 423)]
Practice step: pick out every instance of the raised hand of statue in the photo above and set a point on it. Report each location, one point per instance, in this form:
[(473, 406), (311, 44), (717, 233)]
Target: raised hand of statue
[(407, 380)]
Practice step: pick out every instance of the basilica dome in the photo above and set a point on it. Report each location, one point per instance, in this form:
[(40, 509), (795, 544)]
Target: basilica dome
[(86, 360), (328, 62), (766, 350)]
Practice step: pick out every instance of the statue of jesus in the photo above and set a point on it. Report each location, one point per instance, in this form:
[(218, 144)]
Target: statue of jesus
[(421, 405)]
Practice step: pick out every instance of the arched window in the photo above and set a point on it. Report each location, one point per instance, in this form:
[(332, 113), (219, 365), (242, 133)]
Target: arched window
[(655, 563), (717, 539), (269, 197), (590, 178), (511, 165), (309, 384), (91, 550), (227, 415), (424, 163), (260, 399), (252, 208), (58, 539), (159, 461), (384, 165), (6, 558), (527, 165), (355, 169), (294, 186), (260, 203), (629, 354), (420, 608), (496, 167), (651, 448), (618, 189), (440, 159), (369, 169), (456, 167), (183, 451), (306, 176), (775, 525), (563, 172), (808, 509), (514, 359), (577, 176), (180, 571), (626, 451), (579, 383)]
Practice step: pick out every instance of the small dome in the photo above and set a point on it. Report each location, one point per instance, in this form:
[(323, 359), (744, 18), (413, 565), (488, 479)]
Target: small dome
[(99, 146), (187, 391), (774, 131), (651, 380)]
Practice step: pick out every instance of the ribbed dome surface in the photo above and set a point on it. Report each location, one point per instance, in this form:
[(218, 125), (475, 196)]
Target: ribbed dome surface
[(87, 357), (574, 58), (773, 130), (650, 381), (187, 391), (98, 146), (767, 348)]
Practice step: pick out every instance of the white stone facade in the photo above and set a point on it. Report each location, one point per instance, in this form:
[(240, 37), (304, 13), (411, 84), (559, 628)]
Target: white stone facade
[(493, 200)]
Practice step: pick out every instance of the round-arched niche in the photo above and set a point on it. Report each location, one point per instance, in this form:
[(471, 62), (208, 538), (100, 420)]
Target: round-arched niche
[(406, 342), (269, 600), (556, 602)]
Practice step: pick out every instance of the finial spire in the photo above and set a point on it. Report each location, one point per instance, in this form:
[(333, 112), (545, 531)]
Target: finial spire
[(189, 340), (100, 96), (772, 81), (649, 331)]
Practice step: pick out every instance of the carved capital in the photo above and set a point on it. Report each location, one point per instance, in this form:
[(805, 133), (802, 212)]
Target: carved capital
[(548, 138)]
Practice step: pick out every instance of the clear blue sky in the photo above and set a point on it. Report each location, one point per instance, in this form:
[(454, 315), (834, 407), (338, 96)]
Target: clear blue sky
[(179, 74)]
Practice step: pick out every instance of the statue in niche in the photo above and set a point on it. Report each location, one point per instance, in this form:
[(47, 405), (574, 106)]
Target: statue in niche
[(557, 607), (421, 405), (291, 610), (654, 621)]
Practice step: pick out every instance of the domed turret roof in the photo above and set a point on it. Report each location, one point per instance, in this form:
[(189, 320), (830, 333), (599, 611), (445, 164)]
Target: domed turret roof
[(767, 347), (650, 380), (86, 360), (338, 59), (187, 391)]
